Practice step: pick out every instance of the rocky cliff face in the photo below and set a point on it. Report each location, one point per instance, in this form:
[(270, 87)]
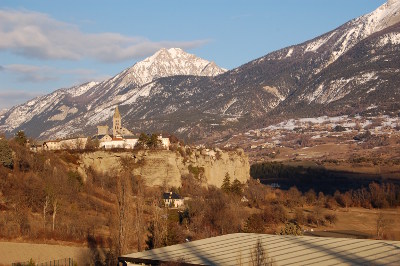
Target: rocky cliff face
[(167, 167)]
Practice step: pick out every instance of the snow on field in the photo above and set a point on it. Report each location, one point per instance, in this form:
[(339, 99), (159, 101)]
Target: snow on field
[(344, 121)]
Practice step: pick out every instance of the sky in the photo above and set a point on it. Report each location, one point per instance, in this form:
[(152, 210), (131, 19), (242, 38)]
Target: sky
[(46, 45)]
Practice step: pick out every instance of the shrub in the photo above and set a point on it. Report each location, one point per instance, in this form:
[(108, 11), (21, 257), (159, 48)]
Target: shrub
[(339, 128), (69, 157), (75, 179), (196, 171), (299, 216), (291, 229), (275, 214), (331, 218), (254, 224), (6, 158), (182, 152)]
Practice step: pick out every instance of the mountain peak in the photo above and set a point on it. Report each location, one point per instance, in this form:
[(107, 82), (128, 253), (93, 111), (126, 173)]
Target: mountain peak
[(384, 16), (169, 62)]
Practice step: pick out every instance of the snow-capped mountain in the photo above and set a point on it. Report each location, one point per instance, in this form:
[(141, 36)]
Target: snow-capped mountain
[(62, 112), (165, 63), (352, 69)]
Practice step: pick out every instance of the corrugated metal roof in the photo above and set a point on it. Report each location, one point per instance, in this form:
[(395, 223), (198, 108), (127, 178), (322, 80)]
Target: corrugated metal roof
[(235, 249)]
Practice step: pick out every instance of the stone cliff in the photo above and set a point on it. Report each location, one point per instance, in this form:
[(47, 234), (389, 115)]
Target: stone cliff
[(159, 167)]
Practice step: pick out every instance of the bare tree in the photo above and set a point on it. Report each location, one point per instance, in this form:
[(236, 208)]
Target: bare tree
[(138, 191), (123, 208), (54, 211), (158, 229), (139, 224), (259, 256), (382, 225), (45, 205)]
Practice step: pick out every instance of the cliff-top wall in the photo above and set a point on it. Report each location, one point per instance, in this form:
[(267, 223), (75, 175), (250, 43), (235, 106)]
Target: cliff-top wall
[(159, 167)]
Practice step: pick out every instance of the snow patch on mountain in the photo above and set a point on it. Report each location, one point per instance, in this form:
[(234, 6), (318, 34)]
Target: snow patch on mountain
[(25, 112), (81, 89), (168, 62), (133, 95), (391, 38), (337, 89), (289, 54), (351, 33), (228, 105), (315, 45)]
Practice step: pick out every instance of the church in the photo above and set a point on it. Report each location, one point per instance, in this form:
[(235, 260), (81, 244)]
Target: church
[(121, 137)]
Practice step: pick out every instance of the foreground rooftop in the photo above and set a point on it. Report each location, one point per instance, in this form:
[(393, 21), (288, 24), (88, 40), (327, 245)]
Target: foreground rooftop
[(235, 249)]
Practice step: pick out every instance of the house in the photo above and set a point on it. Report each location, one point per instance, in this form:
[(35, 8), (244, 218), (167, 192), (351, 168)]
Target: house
[(102, 138), (171, 199), (131, 141), (35, 147), (78, 143), (116, 143), (51, 145), (65, 144), (102, 130), (165, 142)]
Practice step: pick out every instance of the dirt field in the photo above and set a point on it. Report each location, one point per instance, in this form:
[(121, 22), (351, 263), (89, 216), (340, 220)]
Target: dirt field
[(362, 222), (11, 252)]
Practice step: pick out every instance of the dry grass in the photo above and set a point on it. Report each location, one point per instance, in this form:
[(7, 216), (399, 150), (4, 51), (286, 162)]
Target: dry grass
[(364, 221)]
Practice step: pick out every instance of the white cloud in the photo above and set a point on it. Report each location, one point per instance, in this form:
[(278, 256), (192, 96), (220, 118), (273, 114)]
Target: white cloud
[(37, 35), (42, 74), (29, 73), (9, 98)]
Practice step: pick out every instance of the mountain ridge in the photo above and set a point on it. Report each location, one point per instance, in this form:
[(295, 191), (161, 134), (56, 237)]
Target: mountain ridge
[(306, 79)]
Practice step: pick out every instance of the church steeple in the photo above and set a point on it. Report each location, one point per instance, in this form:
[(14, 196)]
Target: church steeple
[(117, 123), (116, 113)]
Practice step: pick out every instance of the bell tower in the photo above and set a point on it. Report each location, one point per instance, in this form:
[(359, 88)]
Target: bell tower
[(117, 123)]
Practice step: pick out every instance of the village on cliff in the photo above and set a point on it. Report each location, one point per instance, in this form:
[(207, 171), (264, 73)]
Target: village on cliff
[(121, 138)]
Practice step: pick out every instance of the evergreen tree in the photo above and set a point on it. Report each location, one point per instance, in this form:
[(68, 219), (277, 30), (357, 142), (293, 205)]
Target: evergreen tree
[(226, 183), (153, 142), (6, 158), (142, 141), (20, 138), (236, 187)]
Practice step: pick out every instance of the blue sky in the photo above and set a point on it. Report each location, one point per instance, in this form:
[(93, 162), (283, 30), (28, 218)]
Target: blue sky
[(46, 45)]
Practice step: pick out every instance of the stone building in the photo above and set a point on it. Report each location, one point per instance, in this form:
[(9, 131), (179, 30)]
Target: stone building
[(117, 124), (118, 130)]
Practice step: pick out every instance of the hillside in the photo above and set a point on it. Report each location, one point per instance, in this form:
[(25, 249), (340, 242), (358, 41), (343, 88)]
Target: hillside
[(111, 201)]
